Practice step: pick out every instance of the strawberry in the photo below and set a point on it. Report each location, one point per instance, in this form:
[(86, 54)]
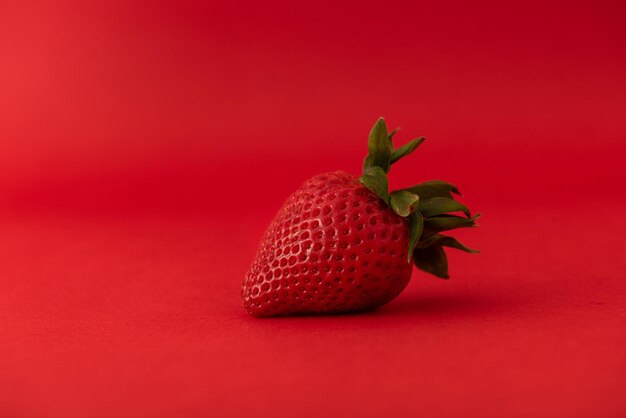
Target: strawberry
[(342, 243)]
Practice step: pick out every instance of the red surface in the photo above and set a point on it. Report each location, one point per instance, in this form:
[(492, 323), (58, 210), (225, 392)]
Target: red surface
[(136, 145)]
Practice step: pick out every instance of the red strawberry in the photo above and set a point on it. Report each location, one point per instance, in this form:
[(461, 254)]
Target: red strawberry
[(342, 243)]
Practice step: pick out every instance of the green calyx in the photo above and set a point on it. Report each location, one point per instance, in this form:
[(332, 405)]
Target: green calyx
[(429, 206)]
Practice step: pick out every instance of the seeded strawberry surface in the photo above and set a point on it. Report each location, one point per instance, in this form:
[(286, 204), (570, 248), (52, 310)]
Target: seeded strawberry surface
[(333, 247)]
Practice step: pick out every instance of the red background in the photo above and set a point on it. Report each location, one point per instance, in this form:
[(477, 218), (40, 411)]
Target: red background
[(144, 147)]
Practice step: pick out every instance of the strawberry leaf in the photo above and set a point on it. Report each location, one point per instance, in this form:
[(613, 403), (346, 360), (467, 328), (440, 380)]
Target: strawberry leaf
[(393, 132), (417, 226), (379, 147), (434, 188), (406, 149), (375, 179), (432, 260), (428, 205), (447, 222), (440, 205), (403, 202), (445, 241)]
